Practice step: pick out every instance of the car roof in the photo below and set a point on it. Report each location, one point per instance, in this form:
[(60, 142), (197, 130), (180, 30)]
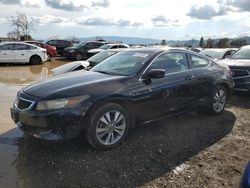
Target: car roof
[(113, 44), (3, 43)]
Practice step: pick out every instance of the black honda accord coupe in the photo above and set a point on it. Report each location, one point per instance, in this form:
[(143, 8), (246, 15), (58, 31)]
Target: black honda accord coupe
[(140, 85)]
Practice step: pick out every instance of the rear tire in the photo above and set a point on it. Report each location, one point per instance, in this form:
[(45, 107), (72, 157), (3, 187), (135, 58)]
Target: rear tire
[(218, 100), (109, 125), (34, 60)]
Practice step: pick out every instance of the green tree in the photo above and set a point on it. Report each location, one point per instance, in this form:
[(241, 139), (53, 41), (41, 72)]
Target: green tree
[(237, 43), (223, 43), (201, 42), (163, 42), (210, 43)]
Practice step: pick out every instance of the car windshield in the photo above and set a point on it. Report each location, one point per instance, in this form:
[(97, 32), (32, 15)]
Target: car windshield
[(123, 63), (213, 54), (105, 47), (80, 45), (243, 53), (100, 57)]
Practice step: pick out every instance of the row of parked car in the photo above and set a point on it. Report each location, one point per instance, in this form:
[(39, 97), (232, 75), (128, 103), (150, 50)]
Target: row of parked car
[(35, 52)]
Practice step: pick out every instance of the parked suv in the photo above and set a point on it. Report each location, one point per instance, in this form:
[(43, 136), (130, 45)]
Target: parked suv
[(59, 44), (80, 51), (239, 63), (141, 85)]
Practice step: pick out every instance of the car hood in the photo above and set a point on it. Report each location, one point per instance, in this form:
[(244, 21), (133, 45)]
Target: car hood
[(95, 50), (74, 84), (235, 62), (69, 67)]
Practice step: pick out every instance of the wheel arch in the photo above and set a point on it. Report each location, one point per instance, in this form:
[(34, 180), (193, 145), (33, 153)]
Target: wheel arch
[(126, 104), (225, 84)]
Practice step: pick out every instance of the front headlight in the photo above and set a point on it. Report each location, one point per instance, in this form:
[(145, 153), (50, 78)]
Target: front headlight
[(71, 51), (61, 103)]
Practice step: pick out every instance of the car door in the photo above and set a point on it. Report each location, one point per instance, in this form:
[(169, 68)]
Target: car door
[(171, 94), (7, 53), (204, 74), (23, 53)]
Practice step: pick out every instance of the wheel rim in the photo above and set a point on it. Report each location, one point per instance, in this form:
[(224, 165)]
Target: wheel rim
[(49, 57), (110, 127), (219, 100), (35, 60)]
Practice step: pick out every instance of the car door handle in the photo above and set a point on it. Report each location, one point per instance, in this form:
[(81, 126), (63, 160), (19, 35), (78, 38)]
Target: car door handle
[(189, 77), (22, 54)]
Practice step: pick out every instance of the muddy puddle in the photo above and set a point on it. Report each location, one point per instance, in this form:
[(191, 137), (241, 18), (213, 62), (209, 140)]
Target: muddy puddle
[(12, 79)]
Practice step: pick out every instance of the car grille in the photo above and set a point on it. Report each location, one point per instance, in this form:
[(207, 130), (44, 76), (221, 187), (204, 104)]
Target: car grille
[(23, 104), (239, 73)]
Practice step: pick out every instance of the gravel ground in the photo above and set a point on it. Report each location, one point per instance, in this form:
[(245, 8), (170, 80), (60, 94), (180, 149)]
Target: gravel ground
[(190, 150)]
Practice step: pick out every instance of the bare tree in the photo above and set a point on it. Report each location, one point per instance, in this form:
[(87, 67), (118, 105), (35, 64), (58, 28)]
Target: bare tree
[(23, 25)]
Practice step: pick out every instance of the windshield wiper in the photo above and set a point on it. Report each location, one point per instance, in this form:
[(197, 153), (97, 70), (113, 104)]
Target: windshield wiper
[(103, 72), (110, 73)]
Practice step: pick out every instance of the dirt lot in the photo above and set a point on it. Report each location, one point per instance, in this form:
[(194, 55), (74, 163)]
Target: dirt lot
[(191, 150)]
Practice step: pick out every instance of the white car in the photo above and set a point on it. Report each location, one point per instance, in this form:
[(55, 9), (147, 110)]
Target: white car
[(19, 52), (107, 47)]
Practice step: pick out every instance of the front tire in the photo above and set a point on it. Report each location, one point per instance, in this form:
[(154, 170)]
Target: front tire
[(218, 100), (109, 125)]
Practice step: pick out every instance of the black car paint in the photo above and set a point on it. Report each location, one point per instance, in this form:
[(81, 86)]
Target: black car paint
[(59, 44), (145, 101), (71, 52)]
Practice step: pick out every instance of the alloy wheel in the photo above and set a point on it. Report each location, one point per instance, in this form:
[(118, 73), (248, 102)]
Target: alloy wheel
[(219, 100), (110, 127)]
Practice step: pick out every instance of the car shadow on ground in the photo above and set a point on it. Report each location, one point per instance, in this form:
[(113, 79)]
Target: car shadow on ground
[(149, 152)]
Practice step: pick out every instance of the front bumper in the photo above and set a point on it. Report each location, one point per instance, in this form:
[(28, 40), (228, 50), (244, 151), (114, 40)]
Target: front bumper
[(56, 125), (242, 85), (69, 55)]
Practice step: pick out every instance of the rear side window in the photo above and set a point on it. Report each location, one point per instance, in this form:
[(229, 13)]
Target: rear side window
[(93, 45), (198, 62), (24, 47), (8, 47), (114, 47), (52, 42), (122, 46)]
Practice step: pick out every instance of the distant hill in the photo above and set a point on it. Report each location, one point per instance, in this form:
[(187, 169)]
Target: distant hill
[(186, 43), (126, 40)]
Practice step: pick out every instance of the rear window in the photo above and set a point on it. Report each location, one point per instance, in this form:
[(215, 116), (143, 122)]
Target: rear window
[(198, 62)]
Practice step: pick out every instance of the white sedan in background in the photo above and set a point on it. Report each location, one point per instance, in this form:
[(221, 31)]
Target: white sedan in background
[(19, 52), (107, 47)]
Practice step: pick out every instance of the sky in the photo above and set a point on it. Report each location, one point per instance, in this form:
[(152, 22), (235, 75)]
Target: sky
[(158, 19)]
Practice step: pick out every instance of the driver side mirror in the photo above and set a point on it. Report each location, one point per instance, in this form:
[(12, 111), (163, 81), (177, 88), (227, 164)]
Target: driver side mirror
[(156, 73), (153, 74)]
